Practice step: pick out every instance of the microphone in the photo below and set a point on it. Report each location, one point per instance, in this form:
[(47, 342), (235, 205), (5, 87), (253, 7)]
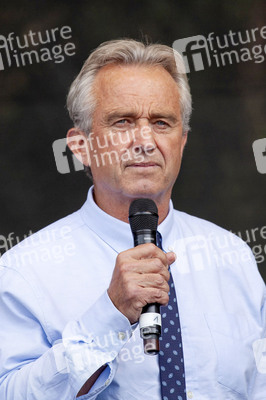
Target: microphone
[(143, 219)]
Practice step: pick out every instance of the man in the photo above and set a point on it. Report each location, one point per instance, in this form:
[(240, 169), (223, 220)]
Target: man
[(72, 295)]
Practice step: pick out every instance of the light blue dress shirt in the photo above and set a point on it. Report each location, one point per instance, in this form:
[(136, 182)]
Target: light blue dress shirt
[(58, 325)]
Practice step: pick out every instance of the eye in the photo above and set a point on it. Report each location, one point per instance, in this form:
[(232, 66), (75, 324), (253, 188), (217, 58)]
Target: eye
[(122, 121), (161, 123)]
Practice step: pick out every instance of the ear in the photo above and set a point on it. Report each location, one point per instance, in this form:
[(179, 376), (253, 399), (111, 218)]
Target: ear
[(77, 141), (183, 142)]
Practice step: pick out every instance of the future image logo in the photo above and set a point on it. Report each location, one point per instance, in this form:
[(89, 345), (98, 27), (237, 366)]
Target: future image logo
[(195, 52), (259, 150), (200, 52), (97, 149), (65, 160), (36, 47)]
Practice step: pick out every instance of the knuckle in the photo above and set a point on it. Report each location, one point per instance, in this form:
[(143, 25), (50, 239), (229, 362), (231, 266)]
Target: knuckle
[(120, 257), (157, 264), (124, 267), (167, 288), (159, 280), (165, 274), (165, 299), (158, 293), (161, 296), (152, 248)]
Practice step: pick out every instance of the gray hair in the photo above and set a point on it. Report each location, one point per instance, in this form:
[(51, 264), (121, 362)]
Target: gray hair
[(80, 100)]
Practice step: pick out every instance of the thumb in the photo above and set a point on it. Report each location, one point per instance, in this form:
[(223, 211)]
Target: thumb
[(171, 257)]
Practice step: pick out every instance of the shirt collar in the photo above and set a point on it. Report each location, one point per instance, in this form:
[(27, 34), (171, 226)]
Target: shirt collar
[(111, 230)]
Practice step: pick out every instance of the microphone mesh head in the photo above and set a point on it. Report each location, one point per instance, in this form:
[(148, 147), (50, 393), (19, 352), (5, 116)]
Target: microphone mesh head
[(143, 214)]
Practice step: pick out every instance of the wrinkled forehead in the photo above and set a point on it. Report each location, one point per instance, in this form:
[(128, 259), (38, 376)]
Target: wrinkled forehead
[(125, 84)]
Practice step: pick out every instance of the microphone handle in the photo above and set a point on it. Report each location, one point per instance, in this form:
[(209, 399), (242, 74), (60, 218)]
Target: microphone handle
[(150, 321)]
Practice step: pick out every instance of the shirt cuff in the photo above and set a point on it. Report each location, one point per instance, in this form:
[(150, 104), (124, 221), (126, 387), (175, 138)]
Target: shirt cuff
[(95, 339), (106, 325)]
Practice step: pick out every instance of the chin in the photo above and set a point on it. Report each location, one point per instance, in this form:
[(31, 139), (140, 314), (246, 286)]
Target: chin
[(138, 191)]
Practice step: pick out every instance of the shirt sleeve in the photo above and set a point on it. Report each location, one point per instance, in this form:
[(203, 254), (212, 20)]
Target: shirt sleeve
[(258, 391), (31, 367), (255, 291)]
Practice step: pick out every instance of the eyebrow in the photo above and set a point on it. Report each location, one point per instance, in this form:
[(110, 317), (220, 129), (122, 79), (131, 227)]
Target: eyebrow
[(169, 117), (118, 115), (124, 114)]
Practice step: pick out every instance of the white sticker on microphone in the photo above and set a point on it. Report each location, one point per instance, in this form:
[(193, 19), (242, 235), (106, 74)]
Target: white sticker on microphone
[(150, 319)]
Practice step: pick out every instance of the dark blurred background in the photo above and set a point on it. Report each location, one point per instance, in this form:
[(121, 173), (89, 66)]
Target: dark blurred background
[(219, 180)]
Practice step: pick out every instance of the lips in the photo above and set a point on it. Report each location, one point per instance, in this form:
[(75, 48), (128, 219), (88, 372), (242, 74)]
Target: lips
[(143, 165)]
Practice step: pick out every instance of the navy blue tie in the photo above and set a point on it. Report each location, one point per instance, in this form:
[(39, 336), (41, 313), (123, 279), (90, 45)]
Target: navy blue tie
[(171, 359)]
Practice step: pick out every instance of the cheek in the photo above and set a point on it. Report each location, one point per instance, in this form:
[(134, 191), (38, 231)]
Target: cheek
[(172, 155), (171, 150), (105, 162)]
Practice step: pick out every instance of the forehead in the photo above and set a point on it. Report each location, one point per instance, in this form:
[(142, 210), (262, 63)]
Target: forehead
[(136, 83)]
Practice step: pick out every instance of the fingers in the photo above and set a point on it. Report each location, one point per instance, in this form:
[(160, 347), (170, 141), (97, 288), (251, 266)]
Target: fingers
[(145, 266), (140, 277), (171, 257), (154, 281), (149, 250), (148, 296)]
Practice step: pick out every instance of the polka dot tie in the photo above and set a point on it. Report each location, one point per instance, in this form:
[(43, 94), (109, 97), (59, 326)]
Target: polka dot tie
[(171, 360)]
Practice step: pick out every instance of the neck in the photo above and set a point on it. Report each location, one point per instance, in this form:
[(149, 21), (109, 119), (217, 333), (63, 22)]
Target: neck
[(118, 207)]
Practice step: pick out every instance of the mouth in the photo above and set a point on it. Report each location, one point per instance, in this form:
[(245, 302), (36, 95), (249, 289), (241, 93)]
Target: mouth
[(143, 165)]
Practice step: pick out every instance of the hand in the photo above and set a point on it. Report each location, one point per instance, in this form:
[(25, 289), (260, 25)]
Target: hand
[(140, 277)]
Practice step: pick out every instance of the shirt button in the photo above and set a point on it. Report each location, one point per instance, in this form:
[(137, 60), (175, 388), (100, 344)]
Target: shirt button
[(189, 394), (107, 382), (121, 335)]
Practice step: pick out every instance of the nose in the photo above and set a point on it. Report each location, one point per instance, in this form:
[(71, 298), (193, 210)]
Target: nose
[(143, 136)]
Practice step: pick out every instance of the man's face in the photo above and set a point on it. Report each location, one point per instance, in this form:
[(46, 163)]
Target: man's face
[(136, 141)]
